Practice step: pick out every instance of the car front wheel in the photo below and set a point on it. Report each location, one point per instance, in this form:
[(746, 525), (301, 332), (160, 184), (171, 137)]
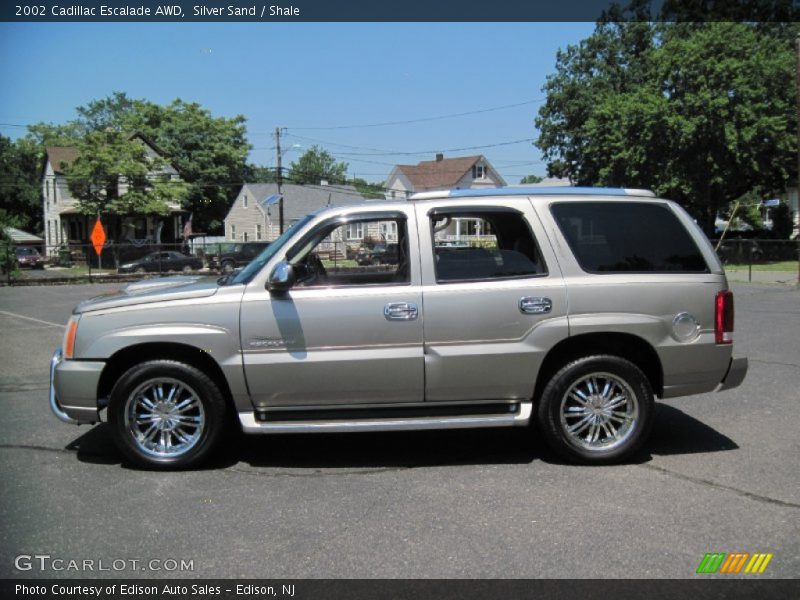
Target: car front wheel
[(166, 415), (597, 410)]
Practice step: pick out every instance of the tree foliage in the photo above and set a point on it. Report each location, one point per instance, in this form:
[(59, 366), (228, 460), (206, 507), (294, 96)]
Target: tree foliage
[(370, 191), (530, 179), (315, 165), (698, 112), (114, 174), (209, 152), (20, 185)]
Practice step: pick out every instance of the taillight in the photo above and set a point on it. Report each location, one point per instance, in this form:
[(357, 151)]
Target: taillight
[(723, 317)]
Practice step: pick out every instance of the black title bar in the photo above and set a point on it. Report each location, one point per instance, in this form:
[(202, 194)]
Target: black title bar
[(287, 11)]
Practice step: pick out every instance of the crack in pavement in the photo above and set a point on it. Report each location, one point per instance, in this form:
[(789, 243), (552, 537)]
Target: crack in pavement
[(22, 387), (773, 362), (719, 486), (34, 447)]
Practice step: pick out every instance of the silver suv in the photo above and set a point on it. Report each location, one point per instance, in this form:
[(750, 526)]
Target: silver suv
[(570, 307)]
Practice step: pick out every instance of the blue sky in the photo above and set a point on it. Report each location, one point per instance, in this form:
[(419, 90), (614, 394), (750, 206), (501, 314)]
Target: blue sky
[(305, 77)]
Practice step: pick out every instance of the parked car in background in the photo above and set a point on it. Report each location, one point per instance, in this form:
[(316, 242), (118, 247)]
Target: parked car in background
[(159, 262), (29, 257), (380, 254), (235, 256)]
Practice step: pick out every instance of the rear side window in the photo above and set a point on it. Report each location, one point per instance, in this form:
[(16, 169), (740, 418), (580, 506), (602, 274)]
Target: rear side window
[(628, 237), (479, 244)]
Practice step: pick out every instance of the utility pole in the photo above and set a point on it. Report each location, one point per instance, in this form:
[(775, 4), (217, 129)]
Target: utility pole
[(280, 180)]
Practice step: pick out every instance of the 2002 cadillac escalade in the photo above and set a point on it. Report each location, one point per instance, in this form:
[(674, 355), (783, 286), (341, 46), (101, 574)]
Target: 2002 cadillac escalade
[(570, 307)]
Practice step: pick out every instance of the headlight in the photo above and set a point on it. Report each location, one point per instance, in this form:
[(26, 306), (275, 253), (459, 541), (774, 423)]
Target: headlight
[(69, 336), (126, 266)]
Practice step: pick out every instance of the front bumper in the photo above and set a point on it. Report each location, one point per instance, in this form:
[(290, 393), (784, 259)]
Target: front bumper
[(73, 389)]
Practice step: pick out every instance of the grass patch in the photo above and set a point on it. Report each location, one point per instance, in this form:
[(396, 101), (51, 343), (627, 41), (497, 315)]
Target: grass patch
[(788, 266)]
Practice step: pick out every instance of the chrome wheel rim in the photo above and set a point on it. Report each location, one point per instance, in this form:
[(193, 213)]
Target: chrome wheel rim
[(599, 412), (164, 417)]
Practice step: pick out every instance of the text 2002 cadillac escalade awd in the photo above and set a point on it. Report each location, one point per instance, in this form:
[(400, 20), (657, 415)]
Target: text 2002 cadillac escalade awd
[(570, 307)]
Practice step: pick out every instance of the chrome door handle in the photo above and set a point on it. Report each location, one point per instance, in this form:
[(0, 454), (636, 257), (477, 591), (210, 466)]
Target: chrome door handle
[(532, 305), (400, 311)]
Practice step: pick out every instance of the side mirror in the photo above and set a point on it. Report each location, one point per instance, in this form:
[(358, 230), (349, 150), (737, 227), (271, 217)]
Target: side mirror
[(282, 278)]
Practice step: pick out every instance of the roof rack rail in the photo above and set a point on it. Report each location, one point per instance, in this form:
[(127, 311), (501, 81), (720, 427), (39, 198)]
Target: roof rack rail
[(533, 191)]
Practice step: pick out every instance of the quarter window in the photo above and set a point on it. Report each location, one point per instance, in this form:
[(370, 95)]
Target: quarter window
[(628, 237)]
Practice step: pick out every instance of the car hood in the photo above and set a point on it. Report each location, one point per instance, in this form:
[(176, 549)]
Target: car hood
[(157, 289)]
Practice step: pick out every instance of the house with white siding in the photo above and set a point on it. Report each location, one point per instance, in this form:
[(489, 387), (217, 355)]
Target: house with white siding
[(64, 224), (254, 214), (463, 172)]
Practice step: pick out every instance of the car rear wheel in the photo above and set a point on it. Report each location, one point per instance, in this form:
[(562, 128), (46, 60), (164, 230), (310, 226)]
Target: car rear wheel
[(187, 268), (166, 415), (597, 410)]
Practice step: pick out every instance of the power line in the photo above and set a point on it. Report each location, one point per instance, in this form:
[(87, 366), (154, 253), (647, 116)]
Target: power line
[(424, 119)]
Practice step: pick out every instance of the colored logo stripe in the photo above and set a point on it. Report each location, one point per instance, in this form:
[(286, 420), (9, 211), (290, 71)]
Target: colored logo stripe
[(758, 563), (711, 562), (734, 562), (722, 562)]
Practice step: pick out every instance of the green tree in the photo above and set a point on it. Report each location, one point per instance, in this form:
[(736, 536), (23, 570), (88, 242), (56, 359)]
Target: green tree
[(315, 165), (530, 179), (370, 191), (115, 175), (209, 152), (20, 188), (698, 112)]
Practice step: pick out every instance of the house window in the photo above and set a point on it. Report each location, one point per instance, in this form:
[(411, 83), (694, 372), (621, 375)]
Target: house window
[(478, 172), (55, 195), (244, 238), (244, 201), (388, 230), (258, 231), (47, 189), (233, 233), (355, 231)]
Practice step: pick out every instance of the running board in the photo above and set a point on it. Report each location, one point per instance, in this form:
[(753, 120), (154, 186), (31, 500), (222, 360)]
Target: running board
[(521, 416)]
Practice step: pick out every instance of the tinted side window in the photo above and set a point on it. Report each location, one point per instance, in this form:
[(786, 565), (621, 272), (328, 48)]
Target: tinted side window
[(617, 237), (471, 246), (353, 253)]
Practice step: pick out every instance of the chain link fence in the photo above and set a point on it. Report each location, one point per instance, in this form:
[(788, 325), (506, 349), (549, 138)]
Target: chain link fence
[(760, 260)]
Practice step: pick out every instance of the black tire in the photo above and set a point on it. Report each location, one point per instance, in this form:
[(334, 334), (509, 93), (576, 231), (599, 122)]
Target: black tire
[(139, 270), (198, 389), (228, 266), (628, 385)]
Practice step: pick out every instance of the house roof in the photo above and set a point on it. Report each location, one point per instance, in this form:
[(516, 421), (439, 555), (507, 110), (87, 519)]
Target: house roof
[(61, 156), (22, 237), (438, 173), (299, 200)]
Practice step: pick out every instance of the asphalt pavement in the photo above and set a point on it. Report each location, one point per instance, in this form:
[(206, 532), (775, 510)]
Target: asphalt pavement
[(720, 474)]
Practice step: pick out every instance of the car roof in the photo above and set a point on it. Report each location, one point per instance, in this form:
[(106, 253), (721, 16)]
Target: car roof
[(533, 191)]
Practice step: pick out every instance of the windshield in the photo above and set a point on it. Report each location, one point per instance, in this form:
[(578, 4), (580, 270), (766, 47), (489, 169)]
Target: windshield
[(259, 261)]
